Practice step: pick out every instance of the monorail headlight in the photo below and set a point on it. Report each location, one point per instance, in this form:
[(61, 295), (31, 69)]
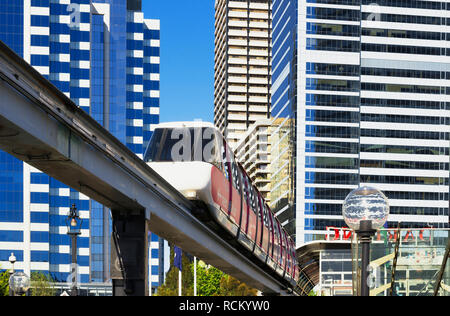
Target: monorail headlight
[(191, 194)]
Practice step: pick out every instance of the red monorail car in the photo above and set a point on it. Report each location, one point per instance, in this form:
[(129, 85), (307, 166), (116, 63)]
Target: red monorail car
[(196, 160)]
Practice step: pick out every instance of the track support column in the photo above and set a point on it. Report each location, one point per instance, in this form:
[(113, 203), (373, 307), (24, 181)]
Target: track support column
[(129, 253)]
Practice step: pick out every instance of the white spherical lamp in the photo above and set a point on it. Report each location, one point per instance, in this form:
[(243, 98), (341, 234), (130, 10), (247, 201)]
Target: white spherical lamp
[(365, 204)]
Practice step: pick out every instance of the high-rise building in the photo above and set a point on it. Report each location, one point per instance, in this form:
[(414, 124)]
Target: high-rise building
[(104, 55), (361, 95), (242, 65), (253, 152)]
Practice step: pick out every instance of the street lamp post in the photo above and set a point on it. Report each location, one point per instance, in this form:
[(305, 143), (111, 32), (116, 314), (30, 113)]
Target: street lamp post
[(365, 234), (365, 210), (12, 260), (74, 230)]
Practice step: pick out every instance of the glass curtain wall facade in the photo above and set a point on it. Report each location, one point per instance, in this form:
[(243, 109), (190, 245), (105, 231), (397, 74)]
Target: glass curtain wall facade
[(284, 113), (105, 57), (405, 108), (371, 105)]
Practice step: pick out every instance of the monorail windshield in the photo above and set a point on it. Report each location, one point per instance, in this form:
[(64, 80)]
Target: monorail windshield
[(183, 144)]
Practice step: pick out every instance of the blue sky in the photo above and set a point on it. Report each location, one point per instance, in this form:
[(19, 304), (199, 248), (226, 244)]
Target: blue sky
[(187, 58)]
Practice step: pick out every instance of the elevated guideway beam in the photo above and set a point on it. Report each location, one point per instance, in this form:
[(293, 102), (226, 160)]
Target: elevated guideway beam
[(45, 129)]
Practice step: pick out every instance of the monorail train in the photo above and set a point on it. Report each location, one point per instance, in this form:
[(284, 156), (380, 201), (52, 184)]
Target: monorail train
[(196, 160)]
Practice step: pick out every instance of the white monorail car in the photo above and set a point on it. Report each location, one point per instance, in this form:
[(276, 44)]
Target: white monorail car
[(195, 159)]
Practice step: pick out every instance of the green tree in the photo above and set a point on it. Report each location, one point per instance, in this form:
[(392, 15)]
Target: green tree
[(213, 282), (4, 283), (41, 284), (312, 293), (208, 280), (230, 286), (170, 286)]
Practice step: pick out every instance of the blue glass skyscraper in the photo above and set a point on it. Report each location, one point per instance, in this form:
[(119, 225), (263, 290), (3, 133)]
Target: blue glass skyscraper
[(360, 96), (104, 55)]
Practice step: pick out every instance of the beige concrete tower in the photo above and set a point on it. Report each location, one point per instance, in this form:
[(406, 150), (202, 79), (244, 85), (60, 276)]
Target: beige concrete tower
[(253, 152), (242, 65)]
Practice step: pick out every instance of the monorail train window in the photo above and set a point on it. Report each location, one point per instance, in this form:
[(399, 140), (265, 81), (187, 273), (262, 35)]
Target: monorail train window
[(262, 211), (280, 244), (236, 176), (273, 240), (183, 144), (246, 188), (270, 218), (241, 180), (279, 251), (290, 262), (249, 191), (266, 214), (287, 254), (259, 205), (253, 198), (294, 257), (234, 169), (275, 232), (224, 159)]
